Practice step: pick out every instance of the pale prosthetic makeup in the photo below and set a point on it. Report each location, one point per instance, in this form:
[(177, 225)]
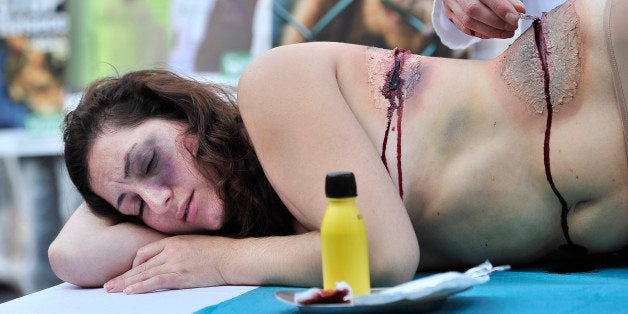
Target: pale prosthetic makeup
[(523, 72), (379, 63)]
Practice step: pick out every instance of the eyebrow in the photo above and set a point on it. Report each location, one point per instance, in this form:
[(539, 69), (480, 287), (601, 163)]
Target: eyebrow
[(127, 170)]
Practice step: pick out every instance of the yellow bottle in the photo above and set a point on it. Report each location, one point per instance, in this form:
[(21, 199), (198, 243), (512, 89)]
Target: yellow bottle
[(344, 243)]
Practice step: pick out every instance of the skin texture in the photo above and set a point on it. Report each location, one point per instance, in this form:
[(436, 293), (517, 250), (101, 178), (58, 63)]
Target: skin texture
[(379, 63), (473, 174), (523, 73)]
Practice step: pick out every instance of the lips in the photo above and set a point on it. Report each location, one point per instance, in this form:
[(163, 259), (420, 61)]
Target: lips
[(183, 210), (190, 213), (185, 214)]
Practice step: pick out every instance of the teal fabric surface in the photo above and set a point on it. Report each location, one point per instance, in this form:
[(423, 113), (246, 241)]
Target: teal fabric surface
[(259, 300), (515, 291)]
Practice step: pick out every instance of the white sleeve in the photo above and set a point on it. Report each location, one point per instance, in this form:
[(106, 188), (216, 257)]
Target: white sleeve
[(448, 33), (454, 38), (536, 7)]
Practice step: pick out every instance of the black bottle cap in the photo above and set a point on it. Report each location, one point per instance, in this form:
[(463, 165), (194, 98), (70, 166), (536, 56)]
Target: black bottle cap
[(340, 184)]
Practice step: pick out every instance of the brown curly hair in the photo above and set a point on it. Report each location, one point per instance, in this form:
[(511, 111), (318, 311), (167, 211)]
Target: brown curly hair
[(252, 207)]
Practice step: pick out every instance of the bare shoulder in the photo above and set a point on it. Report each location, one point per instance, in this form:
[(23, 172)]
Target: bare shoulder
[(291, 59), (278, 81)]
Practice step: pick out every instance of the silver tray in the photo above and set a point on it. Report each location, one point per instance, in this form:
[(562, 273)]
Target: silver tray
[(427, 303)]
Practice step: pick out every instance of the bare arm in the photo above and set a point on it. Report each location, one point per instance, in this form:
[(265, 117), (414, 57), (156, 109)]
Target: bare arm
[(90, 250), (190, 261)]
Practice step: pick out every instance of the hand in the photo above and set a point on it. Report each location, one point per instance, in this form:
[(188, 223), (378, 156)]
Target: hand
[(485, 18), (178, 262)]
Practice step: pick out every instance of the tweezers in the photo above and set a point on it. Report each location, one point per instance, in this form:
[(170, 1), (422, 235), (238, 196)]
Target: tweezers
[(524, 16)]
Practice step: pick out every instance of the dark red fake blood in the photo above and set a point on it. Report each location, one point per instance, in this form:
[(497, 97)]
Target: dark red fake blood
[(328, 297), (539, 36), (393, 92)]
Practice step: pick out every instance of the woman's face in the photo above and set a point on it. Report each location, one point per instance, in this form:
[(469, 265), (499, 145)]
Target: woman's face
[(149, 171)]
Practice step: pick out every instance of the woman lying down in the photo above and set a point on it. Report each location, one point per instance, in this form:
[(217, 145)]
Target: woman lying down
[(456, 161)]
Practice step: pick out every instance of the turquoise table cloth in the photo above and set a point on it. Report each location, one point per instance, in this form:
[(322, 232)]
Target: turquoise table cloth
[(521, 290)]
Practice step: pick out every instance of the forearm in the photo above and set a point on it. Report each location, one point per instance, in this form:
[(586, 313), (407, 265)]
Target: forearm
[(90, 250), (190, 261), (296, 261), (286, 260)]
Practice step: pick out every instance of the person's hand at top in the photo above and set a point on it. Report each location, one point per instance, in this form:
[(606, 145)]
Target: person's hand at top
[(485, 18)]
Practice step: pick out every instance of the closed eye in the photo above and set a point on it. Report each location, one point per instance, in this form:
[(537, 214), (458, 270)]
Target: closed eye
[(151, 163), (141, 209)]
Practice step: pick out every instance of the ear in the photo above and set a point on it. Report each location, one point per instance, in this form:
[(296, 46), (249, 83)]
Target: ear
[(191, 144)]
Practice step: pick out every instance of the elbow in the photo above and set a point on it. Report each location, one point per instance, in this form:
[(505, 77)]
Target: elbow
[(69, 267), (60, 262), (393, 269)]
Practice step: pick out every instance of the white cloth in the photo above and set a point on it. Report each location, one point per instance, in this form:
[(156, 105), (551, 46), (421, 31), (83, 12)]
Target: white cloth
[(454, 38), (70, 299)]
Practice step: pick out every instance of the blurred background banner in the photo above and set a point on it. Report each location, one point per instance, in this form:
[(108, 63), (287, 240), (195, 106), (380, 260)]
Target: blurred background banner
[(192, 37), (35, 195), (33, 51), (116, 36), (223, 36), (380, 23)]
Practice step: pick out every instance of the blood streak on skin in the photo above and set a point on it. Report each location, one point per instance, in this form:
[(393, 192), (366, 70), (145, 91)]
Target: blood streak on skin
[(539, 36), (393, 91)]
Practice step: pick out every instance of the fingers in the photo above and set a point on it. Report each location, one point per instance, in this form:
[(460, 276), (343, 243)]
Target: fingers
[(138, 274), (147, 252), (171, 263), (161, 281), (484, 18), (518, 5), (504, 13)]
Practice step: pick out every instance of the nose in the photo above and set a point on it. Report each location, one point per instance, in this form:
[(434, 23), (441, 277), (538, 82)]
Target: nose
[(156, 197)]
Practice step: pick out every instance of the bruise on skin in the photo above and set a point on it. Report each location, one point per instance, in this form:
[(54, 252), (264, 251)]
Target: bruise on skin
[(379, 61), (522, 71), (451, 130)]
